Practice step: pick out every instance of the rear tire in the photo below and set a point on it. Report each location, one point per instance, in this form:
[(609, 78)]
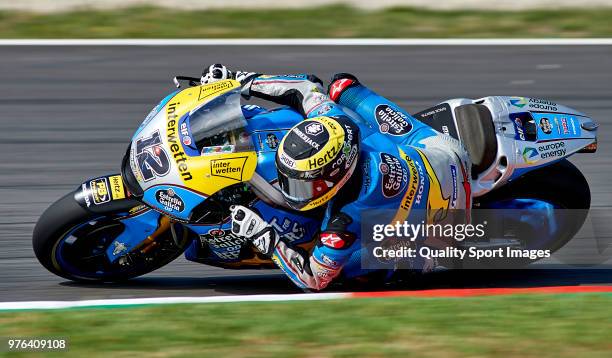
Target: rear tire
[(560, 184)]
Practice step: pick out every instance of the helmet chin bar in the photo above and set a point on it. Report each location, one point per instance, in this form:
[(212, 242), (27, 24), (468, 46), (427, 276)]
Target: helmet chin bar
[(268, 193)]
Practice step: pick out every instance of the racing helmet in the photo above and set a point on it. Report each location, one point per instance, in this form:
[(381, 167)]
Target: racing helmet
[(315, 159)]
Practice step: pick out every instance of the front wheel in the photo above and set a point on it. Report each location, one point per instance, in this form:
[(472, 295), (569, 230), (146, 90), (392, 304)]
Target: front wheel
[(74, 243)]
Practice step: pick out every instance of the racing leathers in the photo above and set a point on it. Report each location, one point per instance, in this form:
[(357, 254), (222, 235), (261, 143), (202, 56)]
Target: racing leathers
[(421, 168)]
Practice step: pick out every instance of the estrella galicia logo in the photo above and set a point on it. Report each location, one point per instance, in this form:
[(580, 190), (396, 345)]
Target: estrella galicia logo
[(169, 200), (392, 121), (518, 102), (529, 154), (394, 176)]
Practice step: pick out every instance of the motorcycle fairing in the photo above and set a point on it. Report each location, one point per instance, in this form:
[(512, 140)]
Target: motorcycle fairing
[(137, 227), (178, 201), (162, 153), (522, 145), (216, 245)]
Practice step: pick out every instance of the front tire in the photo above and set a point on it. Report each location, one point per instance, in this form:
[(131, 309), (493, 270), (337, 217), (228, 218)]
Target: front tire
[(65, 217)]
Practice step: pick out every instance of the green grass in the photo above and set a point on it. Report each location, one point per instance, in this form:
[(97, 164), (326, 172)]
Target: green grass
[(522, 326), (325, 22)]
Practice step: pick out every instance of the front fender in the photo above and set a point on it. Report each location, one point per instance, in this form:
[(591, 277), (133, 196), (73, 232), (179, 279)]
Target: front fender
[(105, 194)]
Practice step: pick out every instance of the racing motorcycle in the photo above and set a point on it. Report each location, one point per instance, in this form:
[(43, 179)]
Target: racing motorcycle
[(199, 151)]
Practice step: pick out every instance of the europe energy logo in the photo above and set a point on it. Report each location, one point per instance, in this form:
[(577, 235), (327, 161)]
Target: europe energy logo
[(519, 102), (529, 154)]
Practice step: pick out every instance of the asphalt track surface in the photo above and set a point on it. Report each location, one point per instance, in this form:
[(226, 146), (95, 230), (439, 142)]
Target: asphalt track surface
[(67, 113)]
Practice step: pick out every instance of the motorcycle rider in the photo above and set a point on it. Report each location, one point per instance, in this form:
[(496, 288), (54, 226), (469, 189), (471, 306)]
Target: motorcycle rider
[(319, 166)]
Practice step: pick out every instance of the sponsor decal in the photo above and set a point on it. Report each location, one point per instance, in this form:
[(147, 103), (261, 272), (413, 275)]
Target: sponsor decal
[(288, 229), (214, 88), (530, 155), (217, 149), (413, 186), (116, 187), (169, 200), (251, 107), (119, 248), (564, 126), (552, 150), (151, 158), (230, 168), (216, 232), (394, 175), (573, 122), (314, 128), (244, 138), (287, 160), (518, 102), (326, 108), (317, 162), (329, 261), (545, 125), (272, 140), (467, 189), (224, 244), (533, 103), (306, 138), (453, 170), (437, 204), (177, 151), (518, 129), (433, 111), (86, 197), (332, 240), (419, 195), (285, 76), (99, 191), (542, 104), (439, 118), (295, 262), (185, 138), (367, 177), (137, 209), (392, 121)]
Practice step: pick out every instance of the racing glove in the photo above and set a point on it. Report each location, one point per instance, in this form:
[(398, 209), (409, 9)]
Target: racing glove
[(340, 83), (246, 223), (215, 72), (302, 268), (219, 72)]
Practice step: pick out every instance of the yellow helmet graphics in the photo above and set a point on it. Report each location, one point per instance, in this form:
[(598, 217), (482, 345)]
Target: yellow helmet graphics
[(315, 159)]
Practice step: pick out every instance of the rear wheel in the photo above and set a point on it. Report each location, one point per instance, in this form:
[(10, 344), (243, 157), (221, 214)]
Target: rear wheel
[(72, 242), (554, 188)]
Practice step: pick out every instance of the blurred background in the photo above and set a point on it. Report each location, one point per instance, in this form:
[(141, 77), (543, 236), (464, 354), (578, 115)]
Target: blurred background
[(303, 18)]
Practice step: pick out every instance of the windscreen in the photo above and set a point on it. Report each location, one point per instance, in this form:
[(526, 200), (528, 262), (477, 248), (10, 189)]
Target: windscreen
[(219, 126)]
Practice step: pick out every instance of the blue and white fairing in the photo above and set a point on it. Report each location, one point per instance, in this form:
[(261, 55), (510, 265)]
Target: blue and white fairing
[(531, 133)]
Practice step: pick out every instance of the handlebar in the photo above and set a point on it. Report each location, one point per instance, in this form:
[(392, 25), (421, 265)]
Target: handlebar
[(193, 81)]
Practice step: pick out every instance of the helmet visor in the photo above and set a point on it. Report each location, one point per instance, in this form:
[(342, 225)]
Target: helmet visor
[(300, 190)]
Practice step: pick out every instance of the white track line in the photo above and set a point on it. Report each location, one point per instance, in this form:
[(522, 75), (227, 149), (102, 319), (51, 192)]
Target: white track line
[(305, 42), (34, 305)]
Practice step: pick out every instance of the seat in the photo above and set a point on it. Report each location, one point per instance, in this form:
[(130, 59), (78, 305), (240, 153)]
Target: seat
[(477, 132)]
